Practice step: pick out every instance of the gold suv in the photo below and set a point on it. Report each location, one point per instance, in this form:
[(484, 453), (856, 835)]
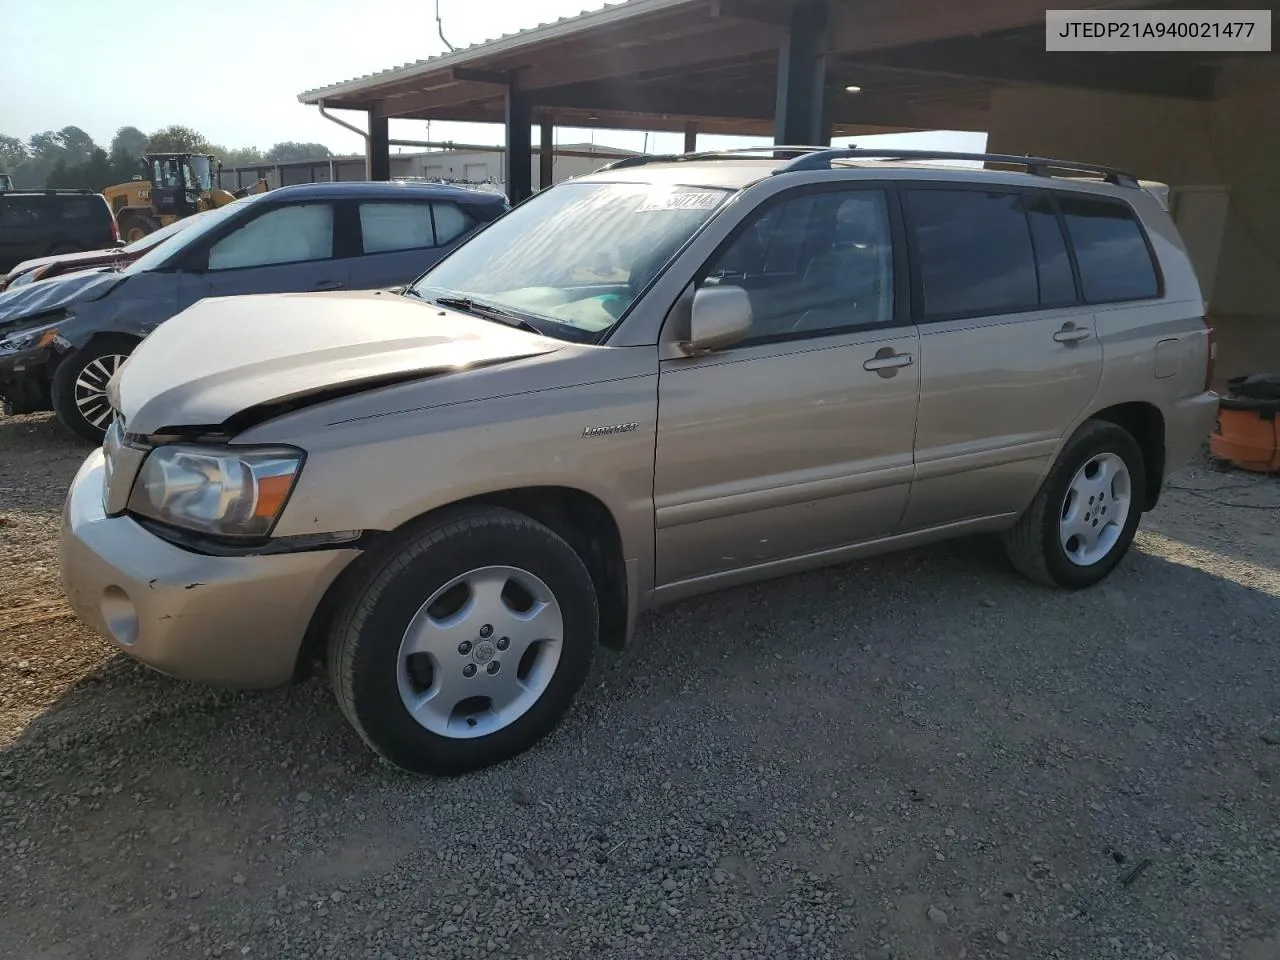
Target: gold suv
[(674, 375)]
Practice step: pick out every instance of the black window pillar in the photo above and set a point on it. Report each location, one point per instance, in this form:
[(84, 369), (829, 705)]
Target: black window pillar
[(547, 155), (691, 136), (519, 144), (800, 115), (377, 160)]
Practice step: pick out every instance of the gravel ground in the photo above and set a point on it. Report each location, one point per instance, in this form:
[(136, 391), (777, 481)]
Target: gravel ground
[(917, 757)]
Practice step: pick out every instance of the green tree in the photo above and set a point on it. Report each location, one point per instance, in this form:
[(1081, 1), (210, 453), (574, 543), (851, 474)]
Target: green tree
[(13, 153), (77, 146), (177, 139), (45, 151), (289, 150), (129, 142), (240, 157)]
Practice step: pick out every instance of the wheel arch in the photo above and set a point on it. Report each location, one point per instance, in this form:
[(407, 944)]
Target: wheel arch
[(584, 521), (1145, 423)]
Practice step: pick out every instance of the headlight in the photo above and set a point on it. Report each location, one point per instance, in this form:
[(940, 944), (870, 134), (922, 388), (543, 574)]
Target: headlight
[(216, 490), (31, 337)]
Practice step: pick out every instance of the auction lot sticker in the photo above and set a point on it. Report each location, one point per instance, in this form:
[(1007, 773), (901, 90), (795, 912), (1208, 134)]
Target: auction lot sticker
[(1189, 31)]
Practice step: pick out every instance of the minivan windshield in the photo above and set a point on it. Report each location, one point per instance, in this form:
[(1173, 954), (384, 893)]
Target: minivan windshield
[(162, 254), (572, 260)]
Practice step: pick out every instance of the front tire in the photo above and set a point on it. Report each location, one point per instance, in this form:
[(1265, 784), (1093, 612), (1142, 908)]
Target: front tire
[(465, 642), (79, 386), (1081, 523)]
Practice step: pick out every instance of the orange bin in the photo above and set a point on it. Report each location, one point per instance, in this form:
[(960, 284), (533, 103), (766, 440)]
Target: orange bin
[(1248, 430)]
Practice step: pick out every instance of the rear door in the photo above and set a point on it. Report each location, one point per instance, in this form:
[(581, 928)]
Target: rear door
[(1008, 350), (798, 439), (292, 248)]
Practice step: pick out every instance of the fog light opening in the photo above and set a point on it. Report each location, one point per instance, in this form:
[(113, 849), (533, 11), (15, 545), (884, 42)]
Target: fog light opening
[(120, 616)]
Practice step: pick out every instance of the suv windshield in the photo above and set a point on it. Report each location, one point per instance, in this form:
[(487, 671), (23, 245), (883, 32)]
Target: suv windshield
[(210, 220), (572, 260)]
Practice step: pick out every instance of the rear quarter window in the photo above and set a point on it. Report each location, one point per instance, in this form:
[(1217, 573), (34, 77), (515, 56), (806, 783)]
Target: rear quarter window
[(1111, 249)]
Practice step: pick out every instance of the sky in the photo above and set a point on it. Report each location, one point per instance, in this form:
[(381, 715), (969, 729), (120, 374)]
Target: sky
[(234, 71)]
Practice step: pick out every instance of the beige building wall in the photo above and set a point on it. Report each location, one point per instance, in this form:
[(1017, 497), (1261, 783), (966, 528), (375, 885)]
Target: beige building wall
[(1219, 156)]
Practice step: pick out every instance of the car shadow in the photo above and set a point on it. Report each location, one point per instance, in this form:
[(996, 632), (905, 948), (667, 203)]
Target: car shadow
[(934, 677)]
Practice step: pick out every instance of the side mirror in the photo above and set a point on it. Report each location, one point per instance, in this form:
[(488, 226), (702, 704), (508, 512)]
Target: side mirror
[(718, 317), (398, 291)]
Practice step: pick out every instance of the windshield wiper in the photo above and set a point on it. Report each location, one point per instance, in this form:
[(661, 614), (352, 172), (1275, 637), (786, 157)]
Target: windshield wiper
[(487, 311)]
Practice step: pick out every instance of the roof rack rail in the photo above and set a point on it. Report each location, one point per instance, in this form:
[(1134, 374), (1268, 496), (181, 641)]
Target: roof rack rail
[(737, 153), (1037, 166)]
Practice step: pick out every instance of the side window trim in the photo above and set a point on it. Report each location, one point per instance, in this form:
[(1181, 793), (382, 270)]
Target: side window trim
[(1131, 213), (1029, 196), (348, 240), (901, 281), (1071, 247)]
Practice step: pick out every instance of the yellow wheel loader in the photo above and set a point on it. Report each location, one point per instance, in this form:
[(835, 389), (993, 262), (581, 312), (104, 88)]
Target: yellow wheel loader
[(175, 185)]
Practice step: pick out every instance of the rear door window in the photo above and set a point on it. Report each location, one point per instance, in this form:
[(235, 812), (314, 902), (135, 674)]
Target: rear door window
[(973, 252), (389, 226), (1111, 250), (451, 222)]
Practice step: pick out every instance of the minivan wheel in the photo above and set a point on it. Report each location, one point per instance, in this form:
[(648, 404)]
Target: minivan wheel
[(1084, 518), (465, 642), (79, 389)]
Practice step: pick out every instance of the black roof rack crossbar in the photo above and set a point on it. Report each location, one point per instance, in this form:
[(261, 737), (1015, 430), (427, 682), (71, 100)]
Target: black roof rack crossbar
[(1037, 166), (770, 151)]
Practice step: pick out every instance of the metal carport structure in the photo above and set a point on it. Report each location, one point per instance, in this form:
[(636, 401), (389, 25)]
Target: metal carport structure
[(774, 68), (782, 70)]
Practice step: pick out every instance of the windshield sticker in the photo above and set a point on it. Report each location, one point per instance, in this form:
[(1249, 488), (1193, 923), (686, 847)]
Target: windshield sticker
[(693, 200)]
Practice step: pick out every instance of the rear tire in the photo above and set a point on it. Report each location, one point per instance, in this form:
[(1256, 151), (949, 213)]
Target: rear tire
[(79, 385), (1081, 523), (425, 653)]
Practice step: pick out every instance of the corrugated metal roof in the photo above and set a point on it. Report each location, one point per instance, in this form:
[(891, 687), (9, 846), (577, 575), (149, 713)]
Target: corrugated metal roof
[(507, 43)]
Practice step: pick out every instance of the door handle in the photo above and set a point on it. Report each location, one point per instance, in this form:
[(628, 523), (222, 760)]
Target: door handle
[(1070, 333), (888, 361), (328, 285)]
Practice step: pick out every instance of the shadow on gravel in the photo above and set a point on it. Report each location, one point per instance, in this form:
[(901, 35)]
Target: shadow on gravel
[(959, 601), (927, 692)]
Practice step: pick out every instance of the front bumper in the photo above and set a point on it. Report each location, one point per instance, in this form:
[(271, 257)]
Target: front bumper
[(23, 373), (238, 621)]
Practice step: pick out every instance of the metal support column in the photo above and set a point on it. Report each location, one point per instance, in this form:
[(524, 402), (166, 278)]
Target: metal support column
[(547, 155), (691, 136), (377, 158), (800, 113), (519, 144)]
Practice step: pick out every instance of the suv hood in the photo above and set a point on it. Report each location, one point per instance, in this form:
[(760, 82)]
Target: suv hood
[(226, 363), (56, 293), (84, 258)]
